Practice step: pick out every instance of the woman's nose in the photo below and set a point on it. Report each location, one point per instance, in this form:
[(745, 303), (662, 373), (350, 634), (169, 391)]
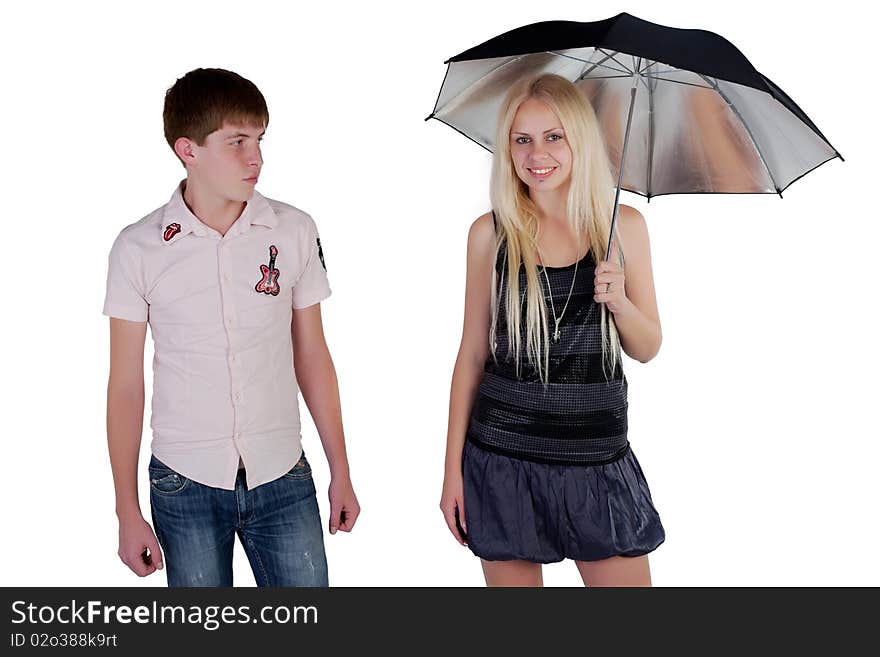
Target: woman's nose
[(539, 150)]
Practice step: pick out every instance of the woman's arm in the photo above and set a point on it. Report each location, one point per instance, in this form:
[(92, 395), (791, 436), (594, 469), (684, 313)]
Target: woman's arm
[(472, 355), (632, 298)]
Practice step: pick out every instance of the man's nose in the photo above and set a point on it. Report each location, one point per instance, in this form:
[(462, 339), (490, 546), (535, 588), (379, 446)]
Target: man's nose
[(255, 157)]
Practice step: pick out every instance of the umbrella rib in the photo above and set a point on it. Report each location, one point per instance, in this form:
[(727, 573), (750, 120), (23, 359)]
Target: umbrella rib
[(652, 77), (748, 130), (624, 66), (445, 75), (474, 83), (603, 77), (691, 84), (590, 61)]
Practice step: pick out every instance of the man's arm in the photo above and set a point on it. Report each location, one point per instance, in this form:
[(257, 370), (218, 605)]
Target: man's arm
[(125, 418), (317, 380)]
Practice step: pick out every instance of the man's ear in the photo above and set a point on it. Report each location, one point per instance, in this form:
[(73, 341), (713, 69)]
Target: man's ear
[(185, 149)]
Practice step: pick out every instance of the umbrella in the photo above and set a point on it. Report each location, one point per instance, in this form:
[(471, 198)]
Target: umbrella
[(699, 117)]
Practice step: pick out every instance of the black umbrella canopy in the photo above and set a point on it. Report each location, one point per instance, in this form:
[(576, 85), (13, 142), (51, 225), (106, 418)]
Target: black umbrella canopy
[(704, 120)]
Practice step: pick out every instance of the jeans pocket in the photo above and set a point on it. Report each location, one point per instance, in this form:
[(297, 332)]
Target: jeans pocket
[(302, 469), (165, 480)]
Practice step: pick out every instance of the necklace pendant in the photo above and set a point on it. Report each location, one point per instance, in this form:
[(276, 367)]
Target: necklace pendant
[(556, 335)]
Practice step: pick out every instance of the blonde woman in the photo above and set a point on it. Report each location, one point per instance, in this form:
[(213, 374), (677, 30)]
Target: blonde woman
[(538, 464)]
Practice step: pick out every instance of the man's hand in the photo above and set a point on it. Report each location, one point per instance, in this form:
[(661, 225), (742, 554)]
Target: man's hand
[(344, 507), (135, 537)]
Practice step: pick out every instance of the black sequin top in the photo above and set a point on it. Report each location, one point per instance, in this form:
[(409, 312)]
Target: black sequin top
[(580, 417)]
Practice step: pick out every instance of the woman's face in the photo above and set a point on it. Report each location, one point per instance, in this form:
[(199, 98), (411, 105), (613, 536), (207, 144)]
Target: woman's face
[(538, 147)]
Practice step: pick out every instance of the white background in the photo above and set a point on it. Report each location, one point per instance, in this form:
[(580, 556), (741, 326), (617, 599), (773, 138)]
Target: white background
[(755, 424)]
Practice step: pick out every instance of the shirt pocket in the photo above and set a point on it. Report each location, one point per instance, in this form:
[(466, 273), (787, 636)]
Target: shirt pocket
[(267, 294)]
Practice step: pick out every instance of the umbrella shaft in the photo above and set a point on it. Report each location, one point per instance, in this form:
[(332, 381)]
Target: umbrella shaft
[(632, 102)]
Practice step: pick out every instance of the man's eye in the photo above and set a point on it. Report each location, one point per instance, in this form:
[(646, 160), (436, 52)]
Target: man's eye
[(236, 142)]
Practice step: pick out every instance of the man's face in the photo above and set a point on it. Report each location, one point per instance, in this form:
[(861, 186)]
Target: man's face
[(229, 163)]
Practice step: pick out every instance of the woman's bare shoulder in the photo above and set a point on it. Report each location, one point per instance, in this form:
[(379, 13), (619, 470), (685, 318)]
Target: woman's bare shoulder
[(632, 223), (482, 232), (484, 222), (632, 214)]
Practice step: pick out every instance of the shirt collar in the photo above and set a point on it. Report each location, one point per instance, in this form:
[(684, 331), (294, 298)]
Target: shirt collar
[(178, 220)]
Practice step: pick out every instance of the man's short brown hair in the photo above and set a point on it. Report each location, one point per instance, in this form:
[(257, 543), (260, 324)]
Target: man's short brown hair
[(204, 99)]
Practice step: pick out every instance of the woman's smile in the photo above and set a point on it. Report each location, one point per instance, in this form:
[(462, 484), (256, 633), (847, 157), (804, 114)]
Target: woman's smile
[(541, 172)]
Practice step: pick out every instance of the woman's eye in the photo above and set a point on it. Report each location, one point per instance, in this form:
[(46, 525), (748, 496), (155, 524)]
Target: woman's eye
[(554, 137), (522, 140)]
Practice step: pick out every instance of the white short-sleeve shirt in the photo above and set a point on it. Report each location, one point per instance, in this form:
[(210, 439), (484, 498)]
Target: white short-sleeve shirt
[(220, 310)]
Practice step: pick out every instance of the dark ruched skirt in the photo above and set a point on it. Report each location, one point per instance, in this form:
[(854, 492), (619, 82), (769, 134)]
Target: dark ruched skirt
[(544, 513)]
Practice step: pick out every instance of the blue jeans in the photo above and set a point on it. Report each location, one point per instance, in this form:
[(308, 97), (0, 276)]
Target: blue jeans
[(278, 523)]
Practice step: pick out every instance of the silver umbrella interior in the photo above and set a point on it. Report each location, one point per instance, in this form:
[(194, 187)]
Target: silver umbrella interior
[(689, 132)]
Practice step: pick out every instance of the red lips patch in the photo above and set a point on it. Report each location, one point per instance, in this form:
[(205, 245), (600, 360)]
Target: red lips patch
[(171, 230)]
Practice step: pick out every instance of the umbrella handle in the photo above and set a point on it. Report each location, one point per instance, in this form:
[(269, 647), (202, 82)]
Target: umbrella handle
[(632, 102)]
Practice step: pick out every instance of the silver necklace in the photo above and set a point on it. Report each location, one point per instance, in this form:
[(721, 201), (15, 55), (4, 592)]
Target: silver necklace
[(556, 319)]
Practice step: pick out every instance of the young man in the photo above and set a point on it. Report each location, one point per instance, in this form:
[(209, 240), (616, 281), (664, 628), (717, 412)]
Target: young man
[(230, 283)]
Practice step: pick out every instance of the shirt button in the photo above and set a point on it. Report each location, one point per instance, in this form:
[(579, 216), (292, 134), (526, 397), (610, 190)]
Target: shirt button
[(229, 321), (226, 277), (232, 357)]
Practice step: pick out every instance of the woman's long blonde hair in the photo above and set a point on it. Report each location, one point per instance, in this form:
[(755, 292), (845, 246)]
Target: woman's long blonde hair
[(589, 208)]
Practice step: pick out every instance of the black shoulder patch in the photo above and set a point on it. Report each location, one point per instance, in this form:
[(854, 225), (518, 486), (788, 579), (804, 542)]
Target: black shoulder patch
[(321, 254)]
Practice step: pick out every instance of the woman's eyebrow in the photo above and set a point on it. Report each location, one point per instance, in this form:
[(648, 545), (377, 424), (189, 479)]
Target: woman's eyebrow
[(515, 132)]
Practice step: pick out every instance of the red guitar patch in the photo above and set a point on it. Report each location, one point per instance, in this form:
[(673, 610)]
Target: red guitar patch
[(269, 282), (171, 230)]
